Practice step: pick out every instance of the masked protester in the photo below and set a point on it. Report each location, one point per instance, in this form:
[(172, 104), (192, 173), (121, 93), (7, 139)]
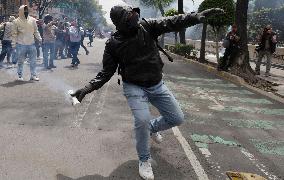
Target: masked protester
[(25, 30), (267, 47), (134, 50)]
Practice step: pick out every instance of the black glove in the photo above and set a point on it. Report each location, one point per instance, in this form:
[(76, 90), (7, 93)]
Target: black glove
[(209, 12), (81, 93)]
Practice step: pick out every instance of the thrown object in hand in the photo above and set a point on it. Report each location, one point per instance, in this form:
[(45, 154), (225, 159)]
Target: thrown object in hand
[(73, 99)]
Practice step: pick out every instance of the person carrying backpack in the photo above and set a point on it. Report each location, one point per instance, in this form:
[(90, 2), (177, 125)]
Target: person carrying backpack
[(133, 48), (7, 42)]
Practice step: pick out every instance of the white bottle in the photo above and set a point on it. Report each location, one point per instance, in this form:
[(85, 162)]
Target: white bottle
[(73, 99)]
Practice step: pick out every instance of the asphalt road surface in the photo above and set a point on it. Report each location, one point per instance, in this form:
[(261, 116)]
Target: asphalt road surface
[(43, 137)]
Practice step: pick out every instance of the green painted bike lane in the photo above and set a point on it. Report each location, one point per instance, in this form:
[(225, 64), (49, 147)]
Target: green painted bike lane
[(232, 127)]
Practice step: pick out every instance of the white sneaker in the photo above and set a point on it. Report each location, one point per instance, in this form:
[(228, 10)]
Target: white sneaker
[(20, 78), (157, 137), (34, 78), (145, 170)]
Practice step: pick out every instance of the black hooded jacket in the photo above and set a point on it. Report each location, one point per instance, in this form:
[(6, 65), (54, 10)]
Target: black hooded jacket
[(138, 55)]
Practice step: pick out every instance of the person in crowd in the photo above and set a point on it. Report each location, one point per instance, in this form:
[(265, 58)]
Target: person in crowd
[(232, 47), (37, 43), (75, 41), (25, 29), (267, 46), (49, 29), (7, 42), (91, 38), (82, 41), (67, 38), (59, 43), (134, 50)]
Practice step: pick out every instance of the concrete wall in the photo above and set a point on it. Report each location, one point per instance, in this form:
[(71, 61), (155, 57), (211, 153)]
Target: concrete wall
[(211, 46), (278, 57)]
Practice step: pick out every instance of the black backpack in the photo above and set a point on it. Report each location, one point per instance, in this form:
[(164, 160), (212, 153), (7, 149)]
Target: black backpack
[(2, 32)]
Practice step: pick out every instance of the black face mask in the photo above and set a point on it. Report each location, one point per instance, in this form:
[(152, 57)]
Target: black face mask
[(26, 14), (133, 21)]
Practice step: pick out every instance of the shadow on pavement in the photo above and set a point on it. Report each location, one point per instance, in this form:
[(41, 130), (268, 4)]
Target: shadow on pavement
[(15, 83), (70, 67), (129, 170)]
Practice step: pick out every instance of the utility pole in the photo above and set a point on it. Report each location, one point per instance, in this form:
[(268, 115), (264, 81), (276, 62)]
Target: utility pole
[(182, 32)]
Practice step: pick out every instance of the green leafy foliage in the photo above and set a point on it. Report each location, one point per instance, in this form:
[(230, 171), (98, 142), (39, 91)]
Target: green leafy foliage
[(263, 17), (273, 4), (157, 3), (222, 20), (182, 49), (171, 12), (89, 12)]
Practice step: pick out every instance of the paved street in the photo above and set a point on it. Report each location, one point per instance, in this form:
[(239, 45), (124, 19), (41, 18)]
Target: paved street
[(42, 137)]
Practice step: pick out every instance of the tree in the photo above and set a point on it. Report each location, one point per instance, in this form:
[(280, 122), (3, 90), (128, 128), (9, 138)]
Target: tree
[(216, 22), (260, 4), (182, 32), (261, 18), (42, 5), (160, 5), (242, 67), (172, 12), (90, 14)]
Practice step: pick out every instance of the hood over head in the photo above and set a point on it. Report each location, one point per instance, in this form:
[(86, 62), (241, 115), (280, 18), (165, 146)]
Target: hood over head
[(22, 11), (123, 18)]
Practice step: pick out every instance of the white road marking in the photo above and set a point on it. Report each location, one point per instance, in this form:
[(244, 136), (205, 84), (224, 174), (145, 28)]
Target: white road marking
[(260, 166), (201, 174), (205, 152), (101, 102)]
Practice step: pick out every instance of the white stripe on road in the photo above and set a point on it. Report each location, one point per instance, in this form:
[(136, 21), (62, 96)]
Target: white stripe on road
[(101, 102), (260, 166), (199, 171)]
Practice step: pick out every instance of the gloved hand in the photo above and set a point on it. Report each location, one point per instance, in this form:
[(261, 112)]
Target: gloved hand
[(209, 12), (81, 93)]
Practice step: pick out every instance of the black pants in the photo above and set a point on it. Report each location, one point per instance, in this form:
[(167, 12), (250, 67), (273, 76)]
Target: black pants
[(83, 46), (228, 58), (6, 50)]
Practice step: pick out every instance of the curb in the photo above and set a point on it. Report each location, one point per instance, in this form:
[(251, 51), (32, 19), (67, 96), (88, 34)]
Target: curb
[(230, 77)]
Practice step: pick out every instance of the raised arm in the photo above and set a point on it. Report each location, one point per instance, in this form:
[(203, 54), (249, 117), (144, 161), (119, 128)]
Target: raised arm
[(178, 22)]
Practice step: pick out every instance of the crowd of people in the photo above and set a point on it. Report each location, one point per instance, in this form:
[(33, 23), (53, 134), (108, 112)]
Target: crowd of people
[(24, 38), (266, 47)]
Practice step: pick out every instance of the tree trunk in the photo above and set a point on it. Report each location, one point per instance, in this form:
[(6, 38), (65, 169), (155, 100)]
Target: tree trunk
[(241, 66), (176, 38), (182, 32), (162, 41), (203, 41), (217, 45)]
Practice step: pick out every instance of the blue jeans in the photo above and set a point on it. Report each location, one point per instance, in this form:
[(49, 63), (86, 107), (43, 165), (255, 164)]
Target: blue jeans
[(22, 51), (14, 57), (6, 50), (48, 48), (138, 100), (74, 49)]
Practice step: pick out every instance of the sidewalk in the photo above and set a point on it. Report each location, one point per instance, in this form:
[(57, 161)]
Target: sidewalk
[(277, 75)]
